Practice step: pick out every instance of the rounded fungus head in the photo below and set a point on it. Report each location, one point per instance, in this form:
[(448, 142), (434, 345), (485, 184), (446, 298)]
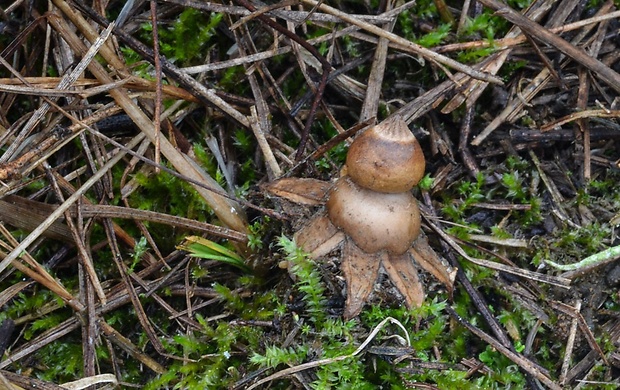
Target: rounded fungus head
[(386, 158), (375, 221)]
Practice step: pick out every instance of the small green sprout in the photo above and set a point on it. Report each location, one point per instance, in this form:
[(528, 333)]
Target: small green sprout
[(426, 183), (207, 249), (138, 251)]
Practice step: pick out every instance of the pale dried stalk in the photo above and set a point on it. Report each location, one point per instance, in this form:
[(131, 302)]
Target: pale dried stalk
[(509, 42), (570, 344), (273, 169), (375, 79)]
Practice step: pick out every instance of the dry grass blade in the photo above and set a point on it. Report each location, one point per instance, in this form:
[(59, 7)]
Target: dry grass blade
[(29, 216), (13, 206), (107, 211), (375, 80)]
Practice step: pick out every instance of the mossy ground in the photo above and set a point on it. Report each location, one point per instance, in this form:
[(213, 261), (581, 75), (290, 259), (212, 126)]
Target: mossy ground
[(528, 201)]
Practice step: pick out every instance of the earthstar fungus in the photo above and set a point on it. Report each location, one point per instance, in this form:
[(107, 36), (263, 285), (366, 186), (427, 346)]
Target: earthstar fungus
[(371, 211)]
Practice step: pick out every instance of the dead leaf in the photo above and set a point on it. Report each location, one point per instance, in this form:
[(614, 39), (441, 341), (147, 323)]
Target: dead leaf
[(303, 191)]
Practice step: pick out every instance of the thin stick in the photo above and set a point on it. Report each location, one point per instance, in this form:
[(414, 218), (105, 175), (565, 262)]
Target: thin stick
[(507, 42), (158, 93), (375, 79), (580, 115), (556, 281), (273, 169), (570, 344), (83, 254)]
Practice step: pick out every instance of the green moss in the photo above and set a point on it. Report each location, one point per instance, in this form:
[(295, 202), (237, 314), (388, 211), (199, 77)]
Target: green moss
[(62, 360)]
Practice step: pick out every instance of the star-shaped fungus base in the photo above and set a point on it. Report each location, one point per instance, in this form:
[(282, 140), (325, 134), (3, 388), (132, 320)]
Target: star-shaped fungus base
[(360, 268)]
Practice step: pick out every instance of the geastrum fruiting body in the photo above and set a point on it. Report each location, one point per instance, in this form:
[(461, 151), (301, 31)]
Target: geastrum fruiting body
[(370, 209)]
